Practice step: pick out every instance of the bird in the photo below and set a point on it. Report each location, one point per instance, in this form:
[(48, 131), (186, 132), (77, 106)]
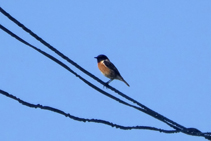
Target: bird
[(108, 69)]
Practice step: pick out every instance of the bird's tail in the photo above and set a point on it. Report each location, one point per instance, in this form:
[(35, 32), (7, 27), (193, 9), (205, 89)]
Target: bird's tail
[(122, 79), (125, 82)]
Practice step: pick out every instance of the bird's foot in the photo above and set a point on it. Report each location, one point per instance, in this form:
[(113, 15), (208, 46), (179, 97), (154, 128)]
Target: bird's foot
[(105, 85)]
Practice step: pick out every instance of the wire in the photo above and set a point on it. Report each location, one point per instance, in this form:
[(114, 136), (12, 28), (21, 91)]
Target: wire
[(190, 131), (145, 109), (83, 119)]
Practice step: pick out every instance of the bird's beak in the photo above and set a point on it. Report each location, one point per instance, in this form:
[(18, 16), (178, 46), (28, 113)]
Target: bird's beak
[(95, 57)]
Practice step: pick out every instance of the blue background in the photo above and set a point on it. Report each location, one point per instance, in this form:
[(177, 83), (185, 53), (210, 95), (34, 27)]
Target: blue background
[(161, 48)]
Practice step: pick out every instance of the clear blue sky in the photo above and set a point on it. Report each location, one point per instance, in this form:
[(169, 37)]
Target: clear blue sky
[(161, 48)]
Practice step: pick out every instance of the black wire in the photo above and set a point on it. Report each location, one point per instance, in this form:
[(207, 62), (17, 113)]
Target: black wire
[(83, 119), (145, 109)]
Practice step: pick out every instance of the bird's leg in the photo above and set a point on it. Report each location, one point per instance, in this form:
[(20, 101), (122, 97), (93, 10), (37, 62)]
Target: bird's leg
[(106, 84), (109, 81)]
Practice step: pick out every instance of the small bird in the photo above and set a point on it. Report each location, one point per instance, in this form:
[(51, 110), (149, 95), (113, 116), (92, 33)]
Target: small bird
[(108, 69)]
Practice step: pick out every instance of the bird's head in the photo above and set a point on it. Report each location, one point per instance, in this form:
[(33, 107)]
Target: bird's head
[(101, 57)]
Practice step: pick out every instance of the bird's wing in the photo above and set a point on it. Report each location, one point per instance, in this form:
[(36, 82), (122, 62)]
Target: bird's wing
[(111, 66)]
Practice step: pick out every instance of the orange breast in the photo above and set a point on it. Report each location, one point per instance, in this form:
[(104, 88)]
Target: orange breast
[(105, 70)]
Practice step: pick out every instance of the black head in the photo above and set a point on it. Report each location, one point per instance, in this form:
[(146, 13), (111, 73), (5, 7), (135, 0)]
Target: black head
[(101, 57)]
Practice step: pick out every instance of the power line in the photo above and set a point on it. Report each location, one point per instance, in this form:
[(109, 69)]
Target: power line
[(83, 119), (145, 109), (190, 131)]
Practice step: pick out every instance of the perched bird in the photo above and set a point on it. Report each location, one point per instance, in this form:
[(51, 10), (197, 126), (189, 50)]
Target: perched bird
[(108, 69)]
